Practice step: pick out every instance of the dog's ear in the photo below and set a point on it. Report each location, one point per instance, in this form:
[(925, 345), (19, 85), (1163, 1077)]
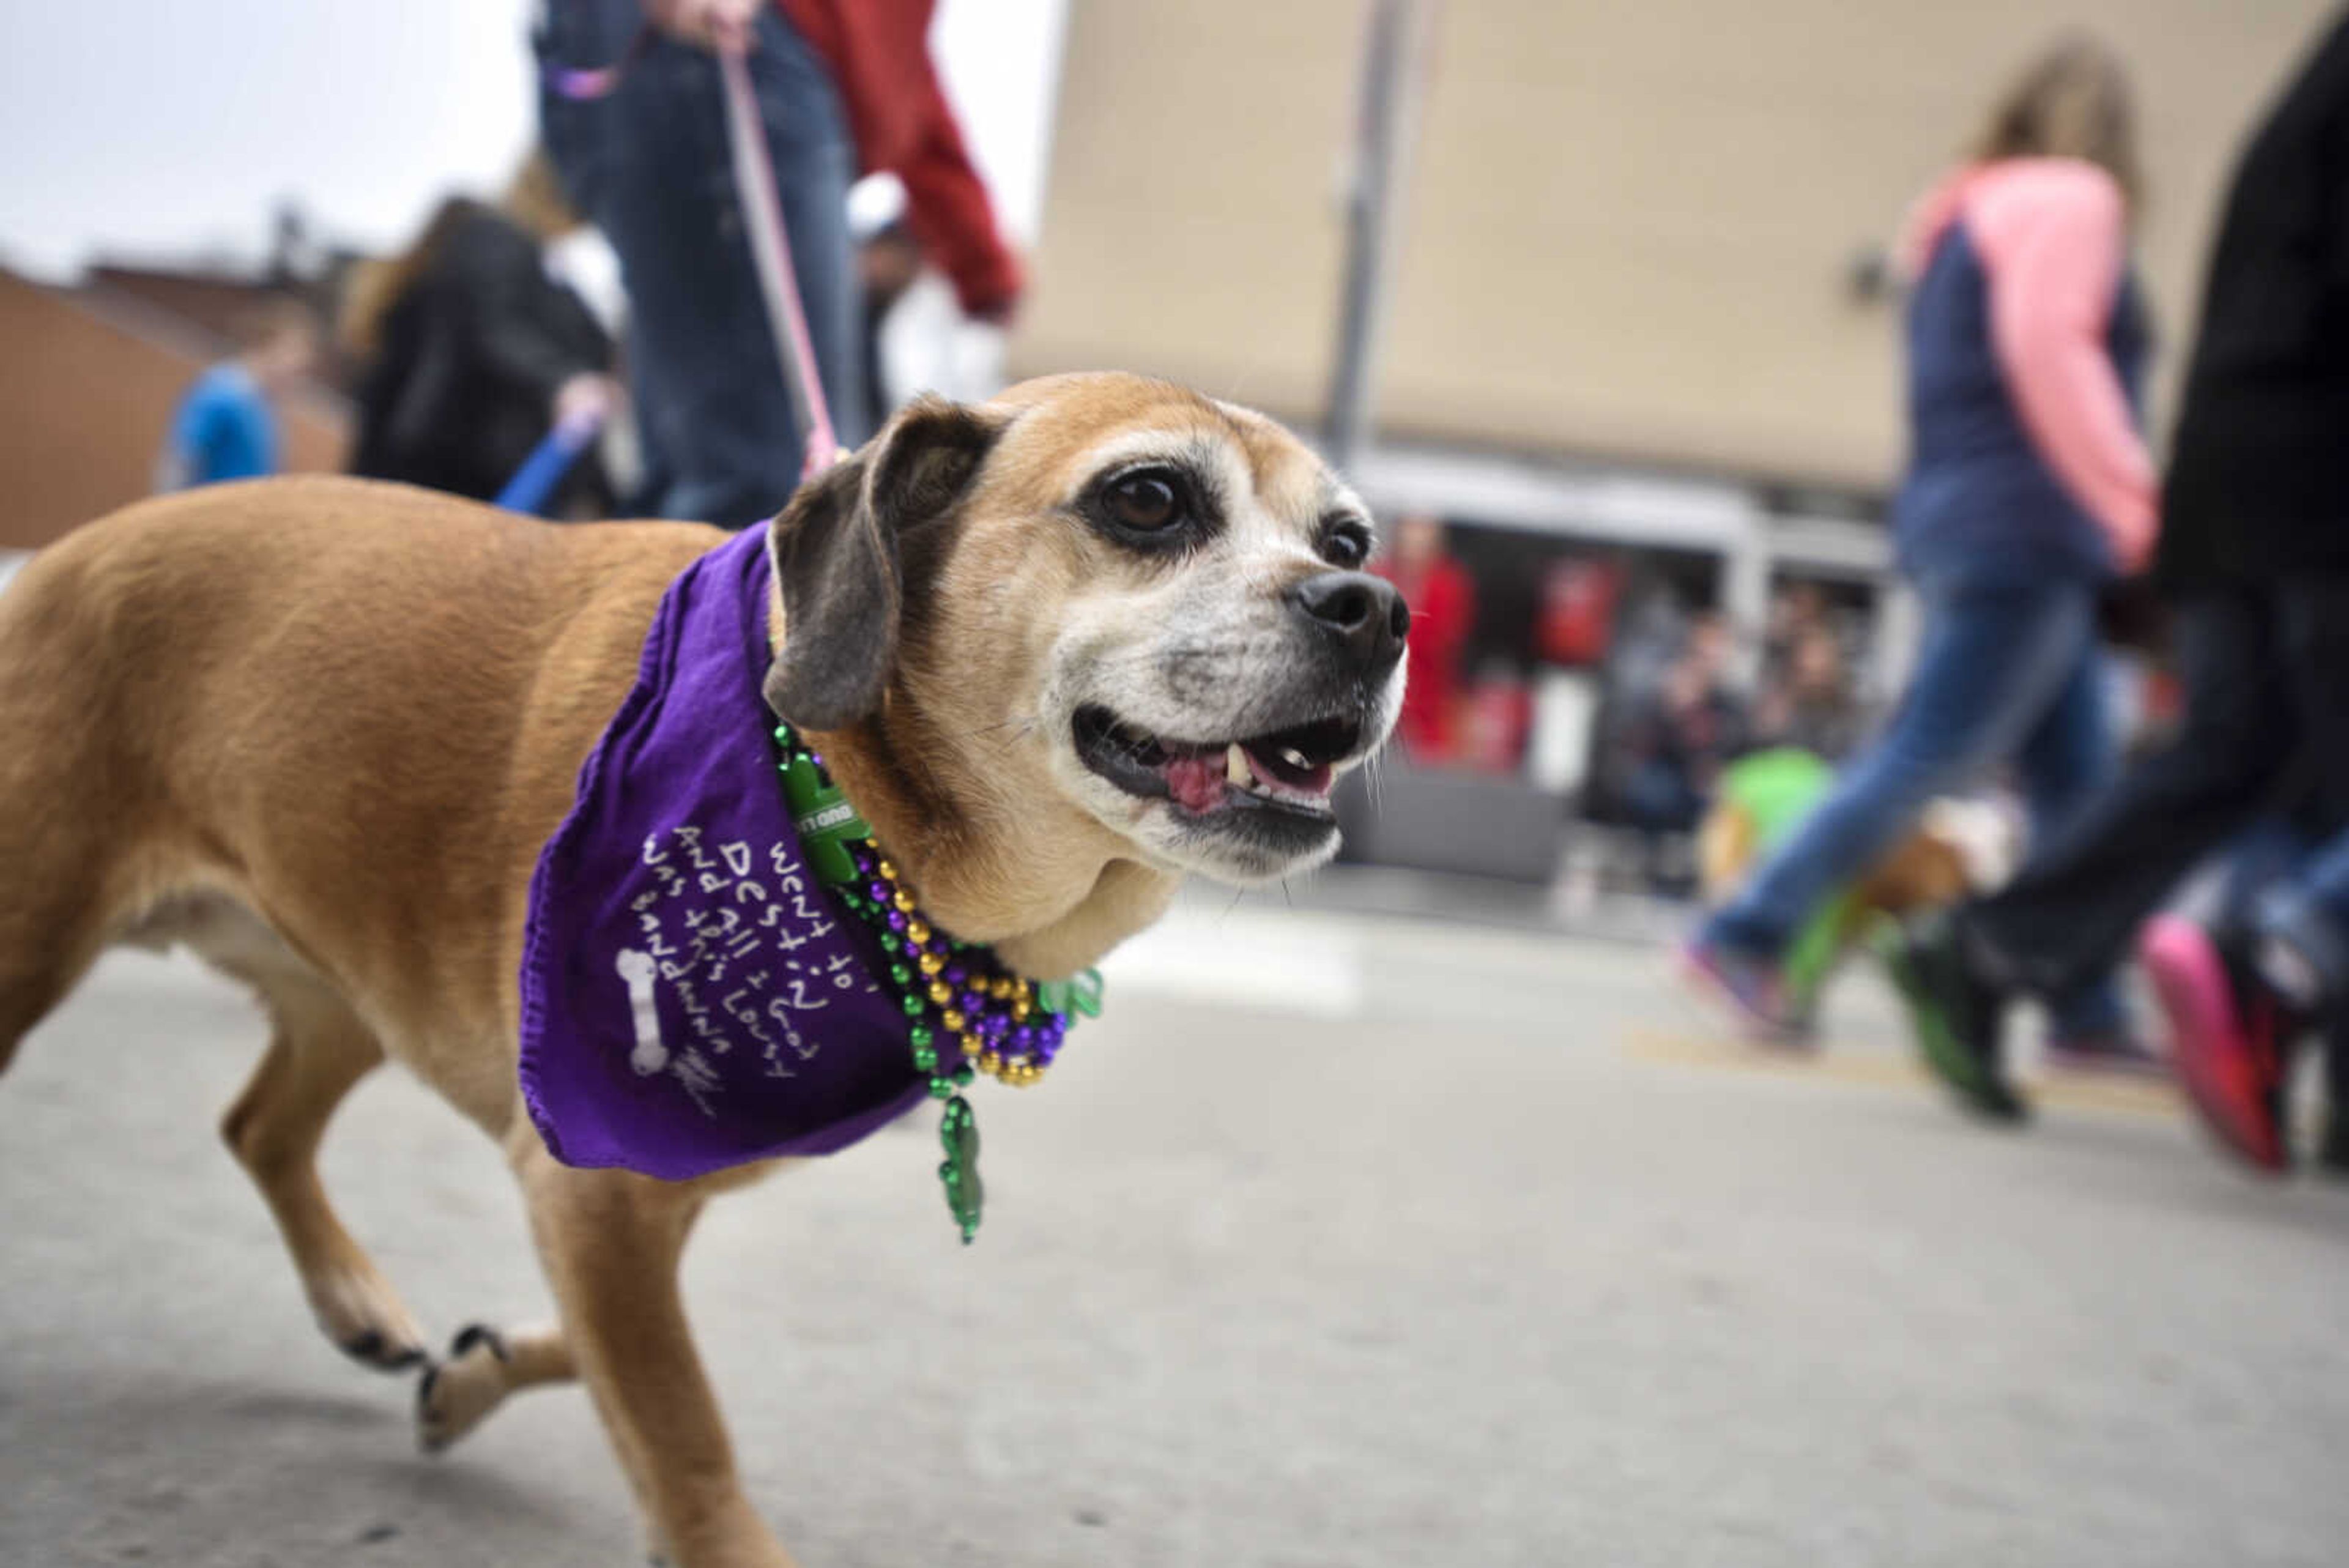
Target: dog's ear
[(838, 558)]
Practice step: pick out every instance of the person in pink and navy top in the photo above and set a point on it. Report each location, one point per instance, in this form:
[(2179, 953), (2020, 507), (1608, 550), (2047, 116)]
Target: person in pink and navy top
[(2029, 489)]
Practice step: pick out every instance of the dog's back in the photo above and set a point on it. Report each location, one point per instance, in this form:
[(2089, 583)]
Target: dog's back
[(290, 695)]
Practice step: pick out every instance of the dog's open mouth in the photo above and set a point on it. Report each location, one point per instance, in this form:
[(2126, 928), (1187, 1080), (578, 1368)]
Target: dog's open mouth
[(1286, 770)]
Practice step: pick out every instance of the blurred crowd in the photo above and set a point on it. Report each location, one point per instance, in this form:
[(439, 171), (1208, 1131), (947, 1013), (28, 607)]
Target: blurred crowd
[(1676, 692), (483, 339)]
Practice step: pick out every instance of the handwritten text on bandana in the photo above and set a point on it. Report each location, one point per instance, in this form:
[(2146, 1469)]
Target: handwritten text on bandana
[(691, 998)]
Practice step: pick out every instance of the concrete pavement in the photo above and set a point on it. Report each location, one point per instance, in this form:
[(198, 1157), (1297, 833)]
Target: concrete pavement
[(1361, 1245)]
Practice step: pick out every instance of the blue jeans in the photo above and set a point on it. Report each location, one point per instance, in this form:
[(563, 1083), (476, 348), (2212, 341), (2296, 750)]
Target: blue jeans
[(650, 166), (2010, 670), (2306, 906)]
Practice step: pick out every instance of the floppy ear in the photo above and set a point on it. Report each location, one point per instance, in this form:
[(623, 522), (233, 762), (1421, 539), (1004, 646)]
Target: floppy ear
[(837, 558)]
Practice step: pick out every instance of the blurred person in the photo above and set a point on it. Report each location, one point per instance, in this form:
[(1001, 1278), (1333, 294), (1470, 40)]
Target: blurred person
[(887, 263), (226, 426), (1493, 721), (1443, 600), (2269, 966), (1574, 624), (2254, 561), (471, 352), (2028, 490), (840, 83), (1677, 743), (926, 342), (1807, 702), (1795, 608)]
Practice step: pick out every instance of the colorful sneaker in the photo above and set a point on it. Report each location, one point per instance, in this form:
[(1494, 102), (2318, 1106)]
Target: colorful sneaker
[(1958, 1017), (2229, 1067), (1749, 990), (2115, 1053)]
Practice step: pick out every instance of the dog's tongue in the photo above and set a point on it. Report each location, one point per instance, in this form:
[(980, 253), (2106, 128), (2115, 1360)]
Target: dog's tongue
[(1197, 782)]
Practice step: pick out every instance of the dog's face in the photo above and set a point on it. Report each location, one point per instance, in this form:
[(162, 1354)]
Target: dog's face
[(1123, 604)]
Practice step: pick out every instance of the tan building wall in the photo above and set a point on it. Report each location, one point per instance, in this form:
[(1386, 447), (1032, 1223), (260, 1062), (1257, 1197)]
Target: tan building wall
[(1630, 225), (85, 396)]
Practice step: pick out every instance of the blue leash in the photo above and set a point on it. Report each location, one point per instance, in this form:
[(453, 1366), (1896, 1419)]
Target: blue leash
[(533, 482)]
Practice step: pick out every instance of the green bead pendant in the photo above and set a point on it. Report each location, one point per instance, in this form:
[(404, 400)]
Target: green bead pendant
[(965, 1195)]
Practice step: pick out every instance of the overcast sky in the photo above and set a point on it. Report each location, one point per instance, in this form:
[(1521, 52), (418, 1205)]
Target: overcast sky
[(167, 127)]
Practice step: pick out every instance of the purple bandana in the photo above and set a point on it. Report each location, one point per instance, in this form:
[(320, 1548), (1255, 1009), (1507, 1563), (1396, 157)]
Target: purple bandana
[(691, 997)]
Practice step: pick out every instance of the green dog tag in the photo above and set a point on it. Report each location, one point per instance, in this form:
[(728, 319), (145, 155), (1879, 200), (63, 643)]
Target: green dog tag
[(827, 824)]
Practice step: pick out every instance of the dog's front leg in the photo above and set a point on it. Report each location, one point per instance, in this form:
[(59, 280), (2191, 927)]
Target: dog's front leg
[(610, 1242)]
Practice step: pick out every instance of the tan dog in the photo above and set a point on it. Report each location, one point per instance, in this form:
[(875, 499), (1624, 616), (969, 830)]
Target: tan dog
[(1958, 849), (1932, 867), (1059, 650)]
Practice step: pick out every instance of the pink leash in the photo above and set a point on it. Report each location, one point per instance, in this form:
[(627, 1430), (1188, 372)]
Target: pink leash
[(770, 248), (771, 251)]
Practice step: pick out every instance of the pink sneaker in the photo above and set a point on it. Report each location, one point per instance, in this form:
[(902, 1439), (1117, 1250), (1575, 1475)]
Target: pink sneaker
[(2227, 1067), (1750, 993)]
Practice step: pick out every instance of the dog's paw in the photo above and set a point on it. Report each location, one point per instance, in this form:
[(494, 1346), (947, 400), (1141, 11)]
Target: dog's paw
[(359, 1311), (369, 1348), (454, 1396)]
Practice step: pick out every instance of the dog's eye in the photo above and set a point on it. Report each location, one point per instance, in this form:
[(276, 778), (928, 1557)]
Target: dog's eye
[(1346, 544), (1145, 503)]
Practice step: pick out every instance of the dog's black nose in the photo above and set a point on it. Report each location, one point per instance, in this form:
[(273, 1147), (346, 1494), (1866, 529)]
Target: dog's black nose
[(1363, 613)]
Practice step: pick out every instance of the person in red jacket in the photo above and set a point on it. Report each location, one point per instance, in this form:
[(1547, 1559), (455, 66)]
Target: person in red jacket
[(1443, 599), (844, 87), (880, 58)]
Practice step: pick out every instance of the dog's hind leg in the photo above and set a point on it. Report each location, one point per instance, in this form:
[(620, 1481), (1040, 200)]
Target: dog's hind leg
[(66, 811), (318, 1050), (56, 902), (34, 976), (484, 1366), (60, 876)]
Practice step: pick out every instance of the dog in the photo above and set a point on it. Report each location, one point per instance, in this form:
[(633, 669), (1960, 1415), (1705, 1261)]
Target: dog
[(1960, 847), (1059, 651)]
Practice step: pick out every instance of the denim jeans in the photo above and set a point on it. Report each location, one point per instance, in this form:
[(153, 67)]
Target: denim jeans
[(2306, 907), (2010, 670), (650, 166), (2266, 726)]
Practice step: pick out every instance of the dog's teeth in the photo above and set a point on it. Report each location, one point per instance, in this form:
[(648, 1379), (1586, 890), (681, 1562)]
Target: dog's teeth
[(1296, 759), (1236, 767)]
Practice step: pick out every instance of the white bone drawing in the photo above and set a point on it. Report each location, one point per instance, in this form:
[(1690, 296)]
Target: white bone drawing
[(637, 970)]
